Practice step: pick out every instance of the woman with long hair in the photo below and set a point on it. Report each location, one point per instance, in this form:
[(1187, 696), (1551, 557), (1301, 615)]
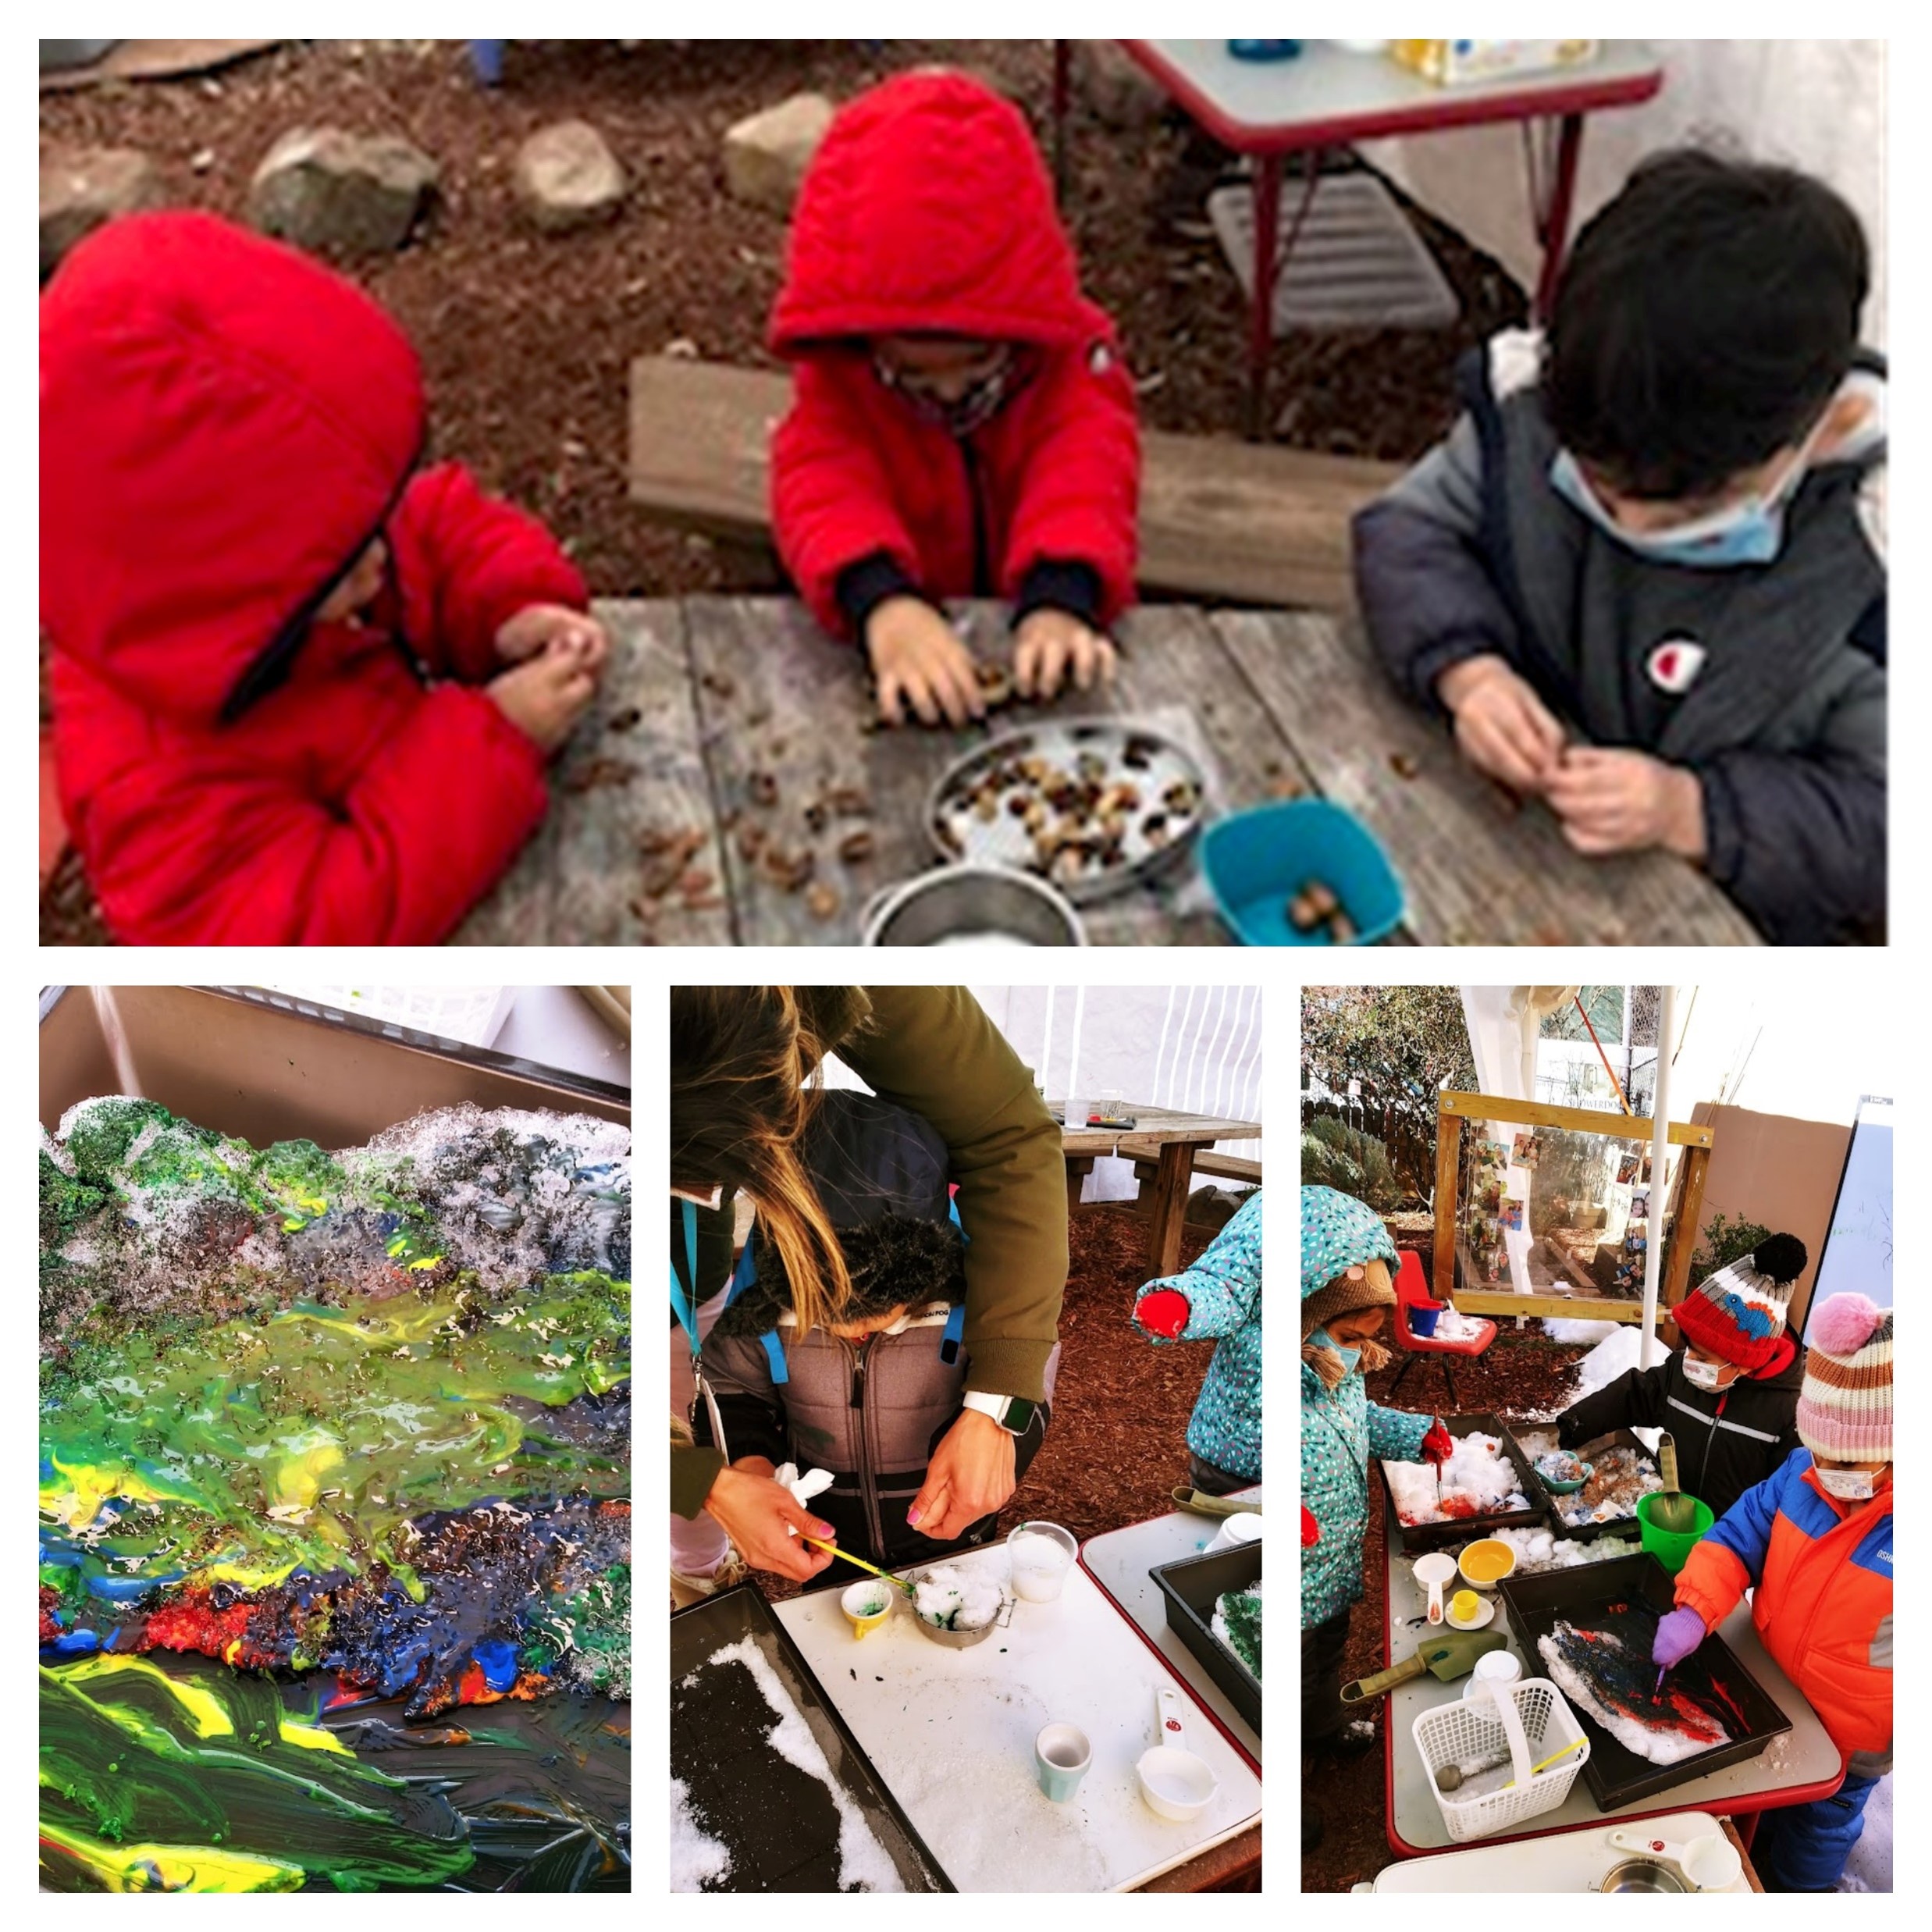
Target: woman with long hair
[(744, 1062)]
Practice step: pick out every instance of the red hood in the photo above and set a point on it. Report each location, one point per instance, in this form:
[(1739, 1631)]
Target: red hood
[(927, 209), (224, 424)]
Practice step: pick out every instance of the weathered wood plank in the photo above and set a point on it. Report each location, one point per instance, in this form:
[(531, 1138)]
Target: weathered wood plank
[(631, 778), (1251, 523), (1478, 870), (1542, 1113)]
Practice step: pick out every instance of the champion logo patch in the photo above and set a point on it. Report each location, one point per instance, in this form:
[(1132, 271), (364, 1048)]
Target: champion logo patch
[(1674, 665)]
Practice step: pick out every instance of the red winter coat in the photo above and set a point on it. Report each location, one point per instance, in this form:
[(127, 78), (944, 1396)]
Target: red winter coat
[(927, 210), (224, 424)]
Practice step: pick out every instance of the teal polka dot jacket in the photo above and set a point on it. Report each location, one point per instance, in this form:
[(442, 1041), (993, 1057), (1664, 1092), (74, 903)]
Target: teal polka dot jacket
[(1224, 1299)]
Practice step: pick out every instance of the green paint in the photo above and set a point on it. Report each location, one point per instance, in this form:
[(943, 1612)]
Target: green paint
[(201, 1783), (587, 1640), (248, 1448)]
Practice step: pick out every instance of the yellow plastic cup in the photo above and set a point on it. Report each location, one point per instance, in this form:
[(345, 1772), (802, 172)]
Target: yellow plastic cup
[(866, 1605), (1464, 1605)]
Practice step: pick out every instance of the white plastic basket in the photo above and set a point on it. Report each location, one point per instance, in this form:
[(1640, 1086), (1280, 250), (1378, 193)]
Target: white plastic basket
[(1527, 1721)]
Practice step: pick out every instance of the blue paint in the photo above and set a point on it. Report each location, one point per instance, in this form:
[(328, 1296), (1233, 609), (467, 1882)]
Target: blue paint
[(498, 1662)]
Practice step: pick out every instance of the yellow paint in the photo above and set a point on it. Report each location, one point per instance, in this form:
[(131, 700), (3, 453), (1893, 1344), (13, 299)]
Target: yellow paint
[(313, 1738), (204, 1710), (174, 1867)]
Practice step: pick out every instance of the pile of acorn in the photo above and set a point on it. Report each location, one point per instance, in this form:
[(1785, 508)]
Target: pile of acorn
[(1315, 909)]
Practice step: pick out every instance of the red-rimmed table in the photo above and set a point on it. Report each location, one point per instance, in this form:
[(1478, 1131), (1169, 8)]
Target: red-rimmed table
[(1329, 97), (1804, 1765)]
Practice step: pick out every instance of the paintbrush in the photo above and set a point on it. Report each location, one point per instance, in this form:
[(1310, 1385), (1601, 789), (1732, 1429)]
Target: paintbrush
[(898, 1582)]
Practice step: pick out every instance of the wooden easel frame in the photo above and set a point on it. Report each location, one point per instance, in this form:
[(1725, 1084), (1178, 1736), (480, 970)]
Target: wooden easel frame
[(1452, 1109)]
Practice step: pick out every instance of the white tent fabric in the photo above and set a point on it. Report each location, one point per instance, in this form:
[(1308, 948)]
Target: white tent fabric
[(1814, 105)]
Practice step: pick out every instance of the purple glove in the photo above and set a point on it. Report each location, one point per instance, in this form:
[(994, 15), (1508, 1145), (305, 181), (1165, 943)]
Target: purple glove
[(1678, 1635)]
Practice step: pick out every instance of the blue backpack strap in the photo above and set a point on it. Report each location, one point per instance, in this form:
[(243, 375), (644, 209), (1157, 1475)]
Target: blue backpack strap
[(743, 1276), (683, 1301), (953, 1333), (774, 1354)]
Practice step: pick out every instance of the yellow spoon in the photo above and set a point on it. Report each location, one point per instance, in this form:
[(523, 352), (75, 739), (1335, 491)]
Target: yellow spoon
[(898, 1582), (1551, 1760)]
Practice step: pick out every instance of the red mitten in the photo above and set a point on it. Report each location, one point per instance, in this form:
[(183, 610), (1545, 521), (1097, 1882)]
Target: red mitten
[(1310, 1529), (1437, 1445), (1164, 1312)]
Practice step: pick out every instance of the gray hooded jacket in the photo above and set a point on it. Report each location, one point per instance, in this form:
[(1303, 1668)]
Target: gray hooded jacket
[(1783, 719)]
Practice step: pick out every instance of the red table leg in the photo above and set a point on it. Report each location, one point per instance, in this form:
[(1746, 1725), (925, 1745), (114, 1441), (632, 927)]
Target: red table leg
[(1261, 340), (1553, 223)]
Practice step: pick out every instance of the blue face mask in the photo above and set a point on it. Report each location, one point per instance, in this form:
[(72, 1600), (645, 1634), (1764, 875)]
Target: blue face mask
[(1750, 531), (1350, 1356)]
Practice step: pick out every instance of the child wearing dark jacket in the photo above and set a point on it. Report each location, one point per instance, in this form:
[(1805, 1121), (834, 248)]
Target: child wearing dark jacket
[(303, 693), (962, 422), (1729, 1396), (866, 1399), (1640, 575)]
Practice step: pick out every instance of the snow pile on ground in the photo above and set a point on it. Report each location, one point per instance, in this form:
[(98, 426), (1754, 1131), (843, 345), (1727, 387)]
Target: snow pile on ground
[(1615, 1355), (952, 1599), (1451, 1327), (1580, 1334), (1540, 1549), (1477, 1479), (863, 1864), (694, 1857)]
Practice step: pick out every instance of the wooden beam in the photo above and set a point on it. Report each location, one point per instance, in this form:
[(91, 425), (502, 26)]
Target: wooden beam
[(1167, 1212), (1690, 1206), (1535, 1113), (1448, 1159), (1558, 1308)]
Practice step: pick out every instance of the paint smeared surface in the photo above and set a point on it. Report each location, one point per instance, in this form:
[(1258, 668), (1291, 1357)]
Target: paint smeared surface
[(364, 1415)]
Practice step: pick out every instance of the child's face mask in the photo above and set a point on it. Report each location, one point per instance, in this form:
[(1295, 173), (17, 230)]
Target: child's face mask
[(1850, 1485), (1351, 1355), (1712, 1375), (1748, 530)]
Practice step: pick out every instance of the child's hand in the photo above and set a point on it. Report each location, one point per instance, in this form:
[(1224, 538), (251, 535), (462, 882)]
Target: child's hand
[(545, 698), (1050, 645), (1164, 1312), (919, 661), (1627, 800), (1502, 727), (537, 627)]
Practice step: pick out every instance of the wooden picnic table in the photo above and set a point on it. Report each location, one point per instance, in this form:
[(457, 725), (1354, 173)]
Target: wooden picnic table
[(1172, 1140), (713, 704)]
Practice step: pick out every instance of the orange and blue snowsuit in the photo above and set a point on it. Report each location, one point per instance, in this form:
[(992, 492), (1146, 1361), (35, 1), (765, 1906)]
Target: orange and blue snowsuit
[(1822, 1573)]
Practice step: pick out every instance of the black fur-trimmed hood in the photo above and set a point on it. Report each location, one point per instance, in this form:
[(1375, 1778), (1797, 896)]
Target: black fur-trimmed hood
[(898, 1258)]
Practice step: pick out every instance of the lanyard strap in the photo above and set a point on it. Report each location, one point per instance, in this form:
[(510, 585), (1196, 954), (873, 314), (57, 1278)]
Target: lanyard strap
[(683, 1304)]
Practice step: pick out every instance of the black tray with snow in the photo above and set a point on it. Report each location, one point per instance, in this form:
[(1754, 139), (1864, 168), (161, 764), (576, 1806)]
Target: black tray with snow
[(769, 1791), (1191, 1587), (1710, 1692), (1507, 1497), (1574, 1516)]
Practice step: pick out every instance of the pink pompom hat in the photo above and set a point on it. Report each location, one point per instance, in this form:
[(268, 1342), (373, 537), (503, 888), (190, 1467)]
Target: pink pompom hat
[(1844, 1409)]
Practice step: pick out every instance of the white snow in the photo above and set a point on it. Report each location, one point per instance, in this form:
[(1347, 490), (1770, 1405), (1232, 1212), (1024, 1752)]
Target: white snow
[(1615, 1355), (863, 1864), (1578, 1334), (694, 1857), (1477, 1468), (1659, 1747), (1451, 1327), (1539, 1549), (954, 1600)]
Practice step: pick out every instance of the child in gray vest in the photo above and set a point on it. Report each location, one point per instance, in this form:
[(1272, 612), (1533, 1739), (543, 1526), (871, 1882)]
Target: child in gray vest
[(1640, 575), (868, 1397)]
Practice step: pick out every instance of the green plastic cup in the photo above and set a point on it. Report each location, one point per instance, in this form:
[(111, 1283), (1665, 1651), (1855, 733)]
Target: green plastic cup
[(1671, 1550)]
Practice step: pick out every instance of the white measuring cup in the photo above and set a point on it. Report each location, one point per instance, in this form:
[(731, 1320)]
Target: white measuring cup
[(1173, 1781), (1432, 1572), (1709, 1861)]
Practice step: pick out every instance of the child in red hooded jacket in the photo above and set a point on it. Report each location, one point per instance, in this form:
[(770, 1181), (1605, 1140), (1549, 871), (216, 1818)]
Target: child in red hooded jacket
[(962, 422), (301, 692)]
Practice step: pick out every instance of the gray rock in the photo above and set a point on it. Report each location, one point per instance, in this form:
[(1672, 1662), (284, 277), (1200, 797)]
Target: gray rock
[(82, 189), (339, 194), (766, 155), (566, 177)]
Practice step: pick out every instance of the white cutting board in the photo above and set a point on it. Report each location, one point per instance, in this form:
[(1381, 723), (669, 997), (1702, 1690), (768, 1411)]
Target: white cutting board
[(951, 1732)]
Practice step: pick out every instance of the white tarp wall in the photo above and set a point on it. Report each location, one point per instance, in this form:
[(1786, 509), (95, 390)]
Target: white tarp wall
[(1818, 106), (1197, 1049)]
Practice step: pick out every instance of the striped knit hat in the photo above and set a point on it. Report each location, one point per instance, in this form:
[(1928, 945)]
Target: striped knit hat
[(1844, 1409), (1738, 1314)]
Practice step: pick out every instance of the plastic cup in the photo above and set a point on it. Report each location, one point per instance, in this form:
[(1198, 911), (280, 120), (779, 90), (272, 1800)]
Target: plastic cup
[(1464, 1605), (1041, 1554), (1061, 1755)]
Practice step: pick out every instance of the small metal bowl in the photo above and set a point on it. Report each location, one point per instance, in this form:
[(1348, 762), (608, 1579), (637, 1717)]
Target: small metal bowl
[(1641, 1874), (958, 1639), (965, 904)]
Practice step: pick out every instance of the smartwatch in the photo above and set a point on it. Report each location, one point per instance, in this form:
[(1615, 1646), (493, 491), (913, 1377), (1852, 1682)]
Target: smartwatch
[(1014, 1414)]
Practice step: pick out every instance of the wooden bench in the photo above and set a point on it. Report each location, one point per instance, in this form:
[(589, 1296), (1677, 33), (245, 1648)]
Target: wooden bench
[(1222, 520), (1146, 1159)]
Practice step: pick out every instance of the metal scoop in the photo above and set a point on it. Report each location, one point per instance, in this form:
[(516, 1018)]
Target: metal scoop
[(1672, 1511)]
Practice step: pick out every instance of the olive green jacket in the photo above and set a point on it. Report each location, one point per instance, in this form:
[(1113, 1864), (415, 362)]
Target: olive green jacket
[(932, 1048)]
